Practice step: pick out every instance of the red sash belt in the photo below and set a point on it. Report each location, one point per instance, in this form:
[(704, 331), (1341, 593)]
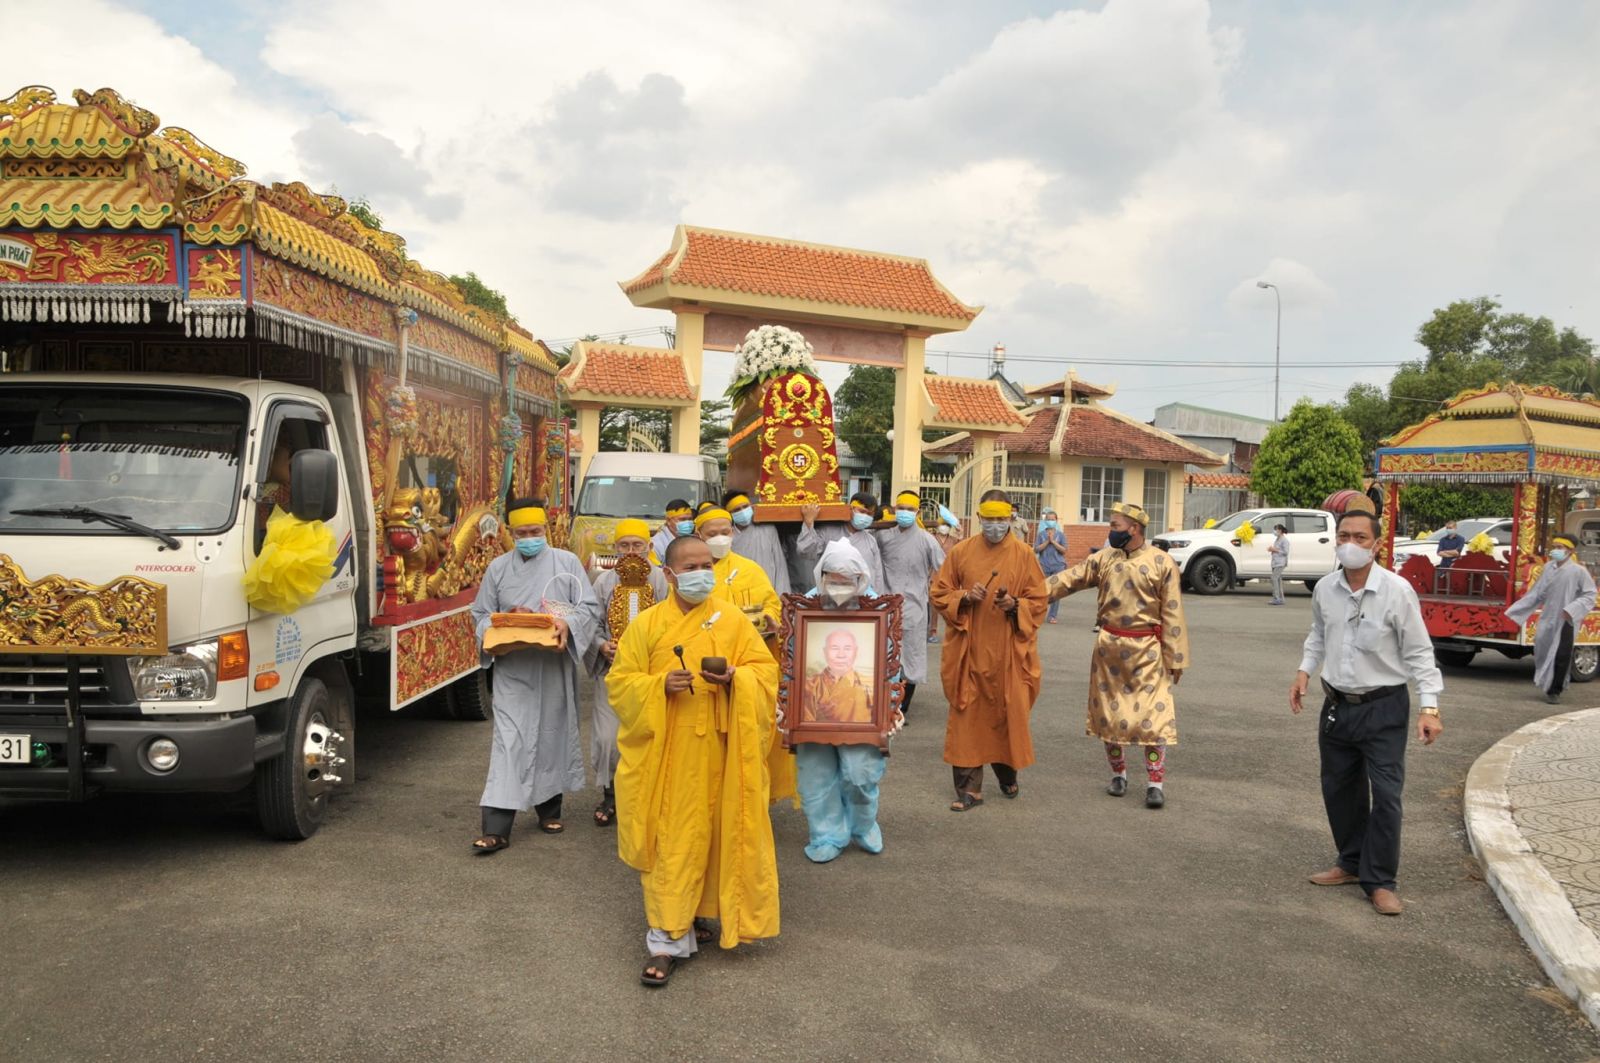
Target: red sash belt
[(1132, 632)]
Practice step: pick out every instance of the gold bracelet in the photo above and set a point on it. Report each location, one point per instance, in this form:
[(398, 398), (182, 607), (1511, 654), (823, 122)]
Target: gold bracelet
[(1430, 711)]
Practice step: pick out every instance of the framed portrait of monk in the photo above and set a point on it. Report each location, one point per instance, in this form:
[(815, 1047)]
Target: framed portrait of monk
[(841, 681)]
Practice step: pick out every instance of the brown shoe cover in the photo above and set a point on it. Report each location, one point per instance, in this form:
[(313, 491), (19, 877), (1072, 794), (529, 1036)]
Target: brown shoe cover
[(1334, 876), (1387, 902)]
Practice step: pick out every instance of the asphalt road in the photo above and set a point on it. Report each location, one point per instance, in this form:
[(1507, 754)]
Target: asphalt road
[(1065, 924)]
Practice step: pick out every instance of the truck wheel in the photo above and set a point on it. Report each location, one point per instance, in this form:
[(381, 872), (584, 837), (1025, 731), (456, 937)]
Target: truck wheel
[(1585, 663), (292, 789), (469, 697), (1454, 658), (1211, 575)]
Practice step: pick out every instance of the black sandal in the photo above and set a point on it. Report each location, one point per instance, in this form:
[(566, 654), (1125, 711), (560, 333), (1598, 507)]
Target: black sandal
[(663, 966), (966, 802), (605, 813), (490, 843), (551, 826), (703, 934), (1011, 791)]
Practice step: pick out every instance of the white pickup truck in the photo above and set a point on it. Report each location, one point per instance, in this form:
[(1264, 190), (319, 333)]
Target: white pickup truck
[(1214, 559)]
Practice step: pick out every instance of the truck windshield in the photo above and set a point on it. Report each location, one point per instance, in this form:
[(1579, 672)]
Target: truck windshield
[(164, 457), (634, 496), (1233, 520)]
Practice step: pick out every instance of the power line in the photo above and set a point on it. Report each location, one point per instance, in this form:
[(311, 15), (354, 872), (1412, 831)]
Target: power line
[(1167, 362)]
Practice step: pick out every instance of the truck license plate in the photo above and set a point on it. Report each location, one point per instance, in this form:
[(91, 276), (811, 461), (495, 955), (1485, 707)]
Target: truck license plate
[(16, 749)]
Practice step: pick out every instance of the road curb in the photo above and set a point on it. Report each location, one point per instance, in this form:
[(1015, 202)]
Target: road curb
[(1566, 948)]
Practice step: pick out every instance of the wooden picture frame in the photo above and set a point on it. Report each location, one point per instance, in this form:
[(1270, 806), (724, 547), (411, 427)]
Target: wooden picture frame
[(863, 710)]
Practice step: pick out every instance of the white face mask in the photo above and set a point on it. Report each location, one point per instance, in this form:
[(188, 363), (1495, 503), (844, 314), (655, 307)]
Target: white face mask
[(720, 545), (1352, 556), (995, 530), (839, 595)]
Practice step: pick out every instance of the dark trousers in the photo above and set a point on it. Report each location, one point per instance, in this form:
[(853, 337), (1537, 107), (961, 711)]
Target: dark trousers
[(1563, 663), (970, 780), (1363, 771), (905, 703), (499, 820)]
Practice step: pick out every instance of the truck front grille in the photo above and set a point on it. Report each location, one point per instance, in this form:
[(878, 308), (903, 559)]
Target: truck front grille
[(34, 685)]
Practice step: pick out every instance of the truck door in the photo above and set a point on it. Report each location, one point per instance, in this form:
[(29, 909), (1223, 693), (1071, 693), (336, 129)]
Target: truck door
[(1254, 561), (281, 643), (1310, 545)]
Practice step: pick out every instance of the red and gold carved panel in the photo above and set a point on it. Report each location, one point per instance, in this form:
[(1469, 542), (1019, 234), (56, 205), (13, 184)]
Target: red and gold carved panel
[(1453, 462), (1579, 467), (1466, 618), (783, 450), (531, 380), (90, 259), (455, 344), (216, 273), (431, 653), (289, 288)]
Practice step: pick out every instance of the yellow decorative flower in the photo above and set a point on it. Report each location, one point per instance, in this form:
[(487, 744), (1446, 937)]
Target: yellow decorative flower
[(295, 561), (1246, 533), (1211, 522), (1481, 544)]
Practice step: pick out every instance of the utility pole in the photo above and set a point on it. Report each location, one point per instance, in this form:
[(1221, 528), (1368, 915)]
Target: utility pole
[(1277, 345)]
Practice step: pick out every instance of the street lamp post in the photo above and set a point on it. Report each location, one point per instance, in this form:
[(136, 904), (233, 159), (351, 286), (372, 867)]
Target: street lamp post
[(1277, 344)]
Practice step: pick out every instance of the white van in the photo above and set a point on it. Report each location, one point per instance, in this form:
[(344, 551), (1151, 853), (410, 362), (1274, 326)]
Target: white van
[(635, 484)]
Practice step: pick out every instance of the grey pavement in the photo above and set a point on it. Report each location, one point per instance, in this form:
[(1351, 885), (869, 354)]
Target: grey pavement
[(1062, 925)]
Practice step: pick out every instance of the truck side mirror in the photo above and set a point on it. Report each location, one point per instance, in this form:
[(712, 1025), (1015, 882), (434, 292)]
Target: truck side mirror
[(314, 485)]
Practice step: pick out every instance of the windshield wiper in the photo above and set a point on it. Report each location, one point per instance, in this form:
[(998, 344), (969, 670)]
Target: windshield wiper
[(85, 514)]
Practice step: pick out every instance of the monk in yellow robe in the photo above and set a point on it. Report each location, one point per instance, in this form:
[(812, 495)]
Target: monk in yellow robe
[(744, 583), (837, 693), (1141, 651), (991, 593), (692, 782)]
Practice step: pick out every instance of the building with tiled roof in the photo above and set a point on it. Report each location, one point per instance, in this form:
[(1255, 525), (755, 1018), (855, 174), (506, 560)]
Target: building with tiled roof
[(966, 404), (1216, 492), (611, 372), (1078, 456), (853, 306), (709, 264)]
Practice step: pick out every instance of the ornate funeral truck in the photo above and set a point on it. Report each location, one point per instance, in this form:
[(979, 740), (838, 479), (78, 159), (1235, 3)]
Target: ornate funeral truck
[(252, 463), (1542, 444)]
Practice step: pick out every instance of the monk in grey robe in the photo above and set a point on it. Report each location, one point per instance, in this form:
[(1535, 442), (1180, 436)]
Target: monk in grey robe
[(535, 756), (632, 541), (1563, 594), (910, 558), (858, 533), (758, 542)]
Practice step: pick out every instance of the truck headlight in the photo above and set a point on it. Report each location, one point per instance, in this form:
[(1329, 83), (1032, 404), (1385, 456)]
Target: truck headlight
[(1176, 544), (190, 674)]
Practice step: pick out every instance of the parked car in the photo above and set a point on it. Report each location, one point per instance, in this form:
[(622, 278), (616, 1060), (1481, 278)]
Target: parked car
[(1215, 559), (1498, 528)]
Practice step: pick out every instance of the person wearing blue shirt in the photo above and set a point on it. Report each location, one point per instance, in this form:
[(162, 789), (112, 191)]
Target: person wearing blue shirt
[(1050, 545), (1451, 544)]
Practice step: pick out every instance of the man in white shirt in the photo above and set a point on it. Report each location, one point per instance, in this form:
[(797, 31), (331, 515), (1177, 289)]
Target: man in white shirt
[(1367, 634)]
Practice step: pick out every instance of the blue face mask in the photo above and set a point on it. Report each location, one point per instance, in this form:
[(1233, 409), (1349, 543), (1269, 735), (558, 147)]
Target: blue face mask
[(905, 518), (861, 521), (695, 587), (530, 547), (1120, 539), (1558, 554), (1049, 525), (744, 516), (685, 527)]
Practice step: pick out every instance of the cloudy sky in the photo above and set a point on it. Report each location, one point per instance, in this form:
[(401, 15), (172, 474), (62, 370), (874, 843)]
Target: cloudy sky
[(1108, 179)]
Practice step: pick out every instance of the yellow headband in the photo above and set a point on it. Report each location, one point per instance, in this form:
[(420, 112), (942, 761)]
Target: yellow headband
[(681, 511), (994, 509), (526, 515), (1571, 545), (907, 498), (633, 526), (736, 501), (1131, 511), (711, 515)]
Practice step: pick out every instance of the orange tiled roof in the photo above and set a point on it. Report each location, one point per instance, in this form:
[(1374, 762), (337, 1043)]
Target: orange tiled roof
[(1225, 481), (619, 371), (790, 269), (962, 402), (1089, 432)]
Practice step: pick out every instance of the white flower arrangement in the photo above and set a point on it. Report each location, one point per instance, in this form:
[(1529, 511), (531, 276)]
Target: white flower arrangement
[(766, 352)]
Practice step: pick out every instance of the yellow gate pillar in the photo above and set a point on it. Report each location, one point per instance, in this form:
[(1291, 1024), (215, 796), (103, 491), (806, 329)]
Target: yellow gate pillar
[(589, 435), (691, 346), (906, 464)]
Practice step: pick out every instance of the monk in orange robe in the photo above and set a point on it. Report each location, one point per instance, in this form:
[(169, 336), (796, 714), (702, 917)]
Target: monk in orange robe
[(992, 595)]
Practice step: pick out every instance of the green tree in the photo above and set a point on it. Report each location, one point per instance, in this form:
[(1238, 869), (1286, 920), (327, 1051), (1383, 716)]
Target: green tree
[(863, 407), (1308, 457), (361, 210), (479, 294), (1429, 505), (716, 421)]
